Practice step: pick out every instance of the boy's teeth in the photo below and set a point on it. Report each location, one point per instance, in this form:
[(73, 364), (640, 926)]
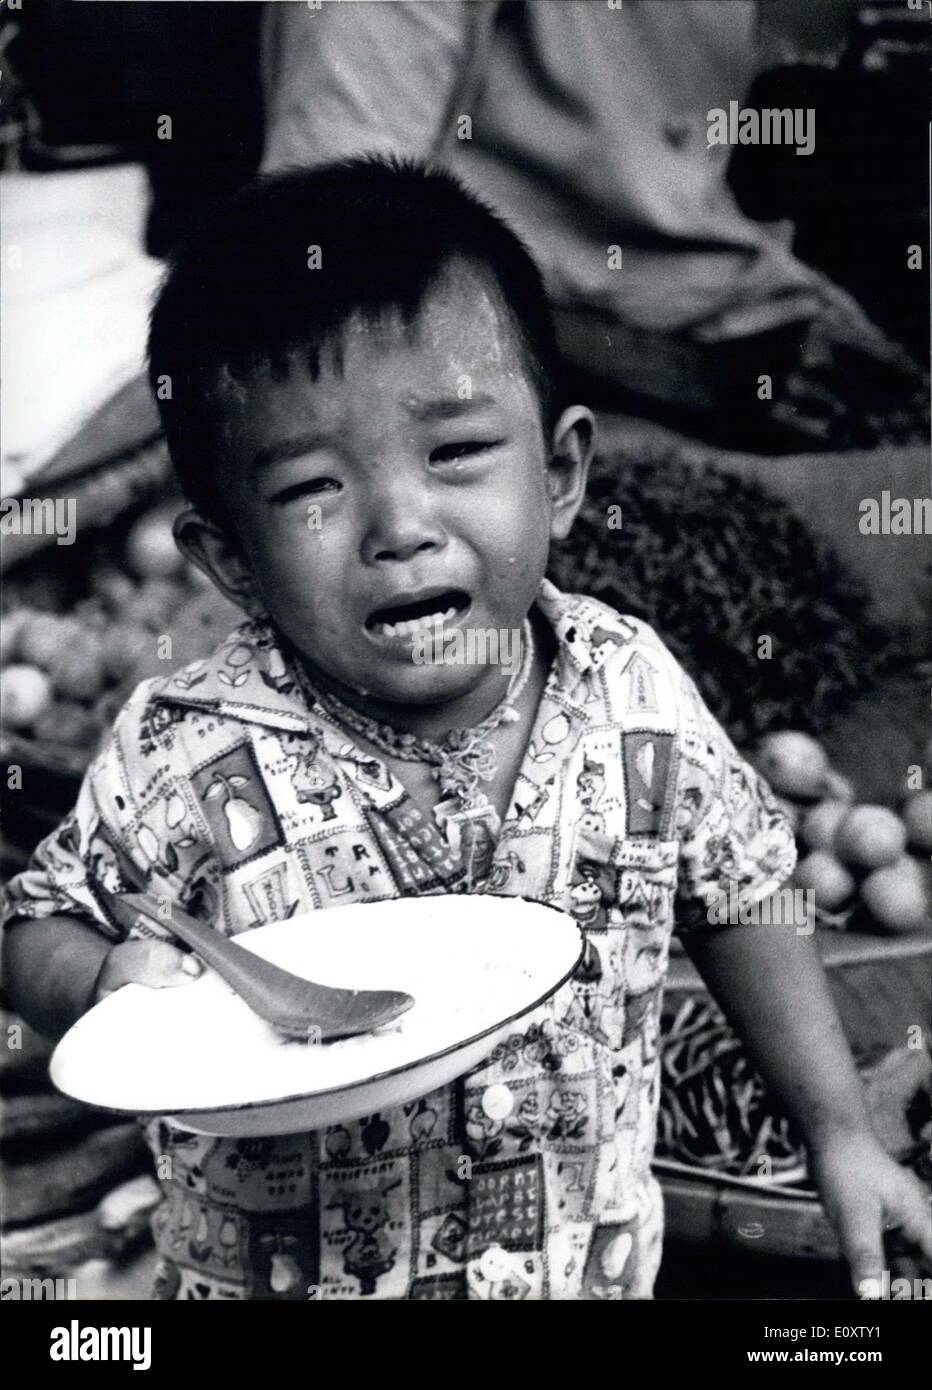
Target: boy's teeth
[(409, 625)]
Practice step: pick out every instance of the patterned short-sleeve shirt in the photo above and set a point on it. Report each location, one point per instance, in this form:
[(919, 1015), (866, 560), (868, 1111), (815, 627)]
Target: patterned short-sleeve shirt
[(631, 806)]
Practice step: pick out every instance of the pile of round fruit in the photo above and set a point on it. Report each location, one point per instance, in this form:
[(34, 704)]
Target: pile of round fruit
[(865, 864), (64, 675)]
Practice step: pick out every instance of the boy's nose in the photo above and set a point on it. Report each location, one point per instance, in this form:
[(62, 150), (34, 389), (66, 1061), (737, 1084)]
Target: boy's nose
[(399, 528)]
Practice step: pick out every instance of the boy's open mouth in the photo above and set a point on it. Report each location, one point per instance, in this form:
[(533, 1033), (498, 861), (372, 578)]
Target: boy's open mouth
[(409, 614)]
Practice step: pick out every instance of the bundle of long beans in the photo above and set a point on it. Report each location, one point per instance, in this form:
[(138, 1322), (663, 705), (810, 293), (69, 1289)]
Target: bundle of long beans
[(714, 1110), (711, 561)]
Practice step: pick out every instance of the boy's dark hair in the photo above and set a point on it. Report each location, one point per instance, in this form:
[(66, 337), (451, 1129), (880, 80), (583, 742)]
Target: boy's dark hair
[(240, 297)]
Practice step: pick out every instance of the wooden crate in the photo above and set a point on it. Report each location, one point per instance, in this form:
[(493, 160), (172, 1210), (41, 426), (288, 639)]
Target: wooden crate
[(882, 987)]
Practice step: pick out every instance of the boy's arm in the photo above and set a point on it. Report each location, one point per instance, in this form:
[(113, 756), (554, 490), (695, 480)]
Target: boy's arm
[(50, 967), (61, 953), (771, 983), (55, 968)]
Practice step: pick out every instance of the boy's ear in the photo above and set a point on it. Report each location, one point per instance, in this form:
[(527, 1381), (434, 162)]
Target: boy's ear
[(217, 556), (572, 447)]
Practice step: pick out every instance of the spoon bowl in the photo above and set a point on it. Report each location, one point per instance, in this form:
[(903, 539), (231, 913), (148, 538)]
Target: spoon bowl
[(301, 1009)]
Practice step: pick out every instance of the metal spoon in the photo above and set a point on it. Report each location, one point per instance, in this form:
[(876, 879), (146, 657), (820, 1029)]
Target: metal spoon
[(296, 1007)]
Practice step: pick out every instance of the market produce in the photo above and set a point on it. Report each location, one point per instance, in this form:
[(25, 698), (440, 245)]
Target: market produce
[(827, 877), (716, 1114), (112, 585), (152, 604), (92, 613), (57, 695), (66, 673), (77, 672), (78, 634), (713, 562), (66, 721), (714, 1110), (25, 693), (44, 635), (793, 763), (819, 825), (838, 788), (895, 896), (870, 837), (853, 858), (123, 644)]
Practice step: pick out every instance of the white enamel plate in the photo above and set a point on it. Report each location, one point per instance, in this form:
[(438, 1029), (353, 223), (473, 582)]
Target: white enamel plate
[(196, 1053)]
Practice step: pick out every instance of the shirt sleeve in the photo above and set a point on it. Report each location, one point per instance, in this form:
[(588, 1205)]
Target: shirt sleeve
[(735, 842), (344, 79), (83, 854)]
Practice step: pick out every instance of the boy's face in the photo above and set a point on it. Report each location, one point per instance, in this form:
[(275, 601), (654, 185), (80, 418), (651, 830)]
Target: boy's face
[(414, 480)]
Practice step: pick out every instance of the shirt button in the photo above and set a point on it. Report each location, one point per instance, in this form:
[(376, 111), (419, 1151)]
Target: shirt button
[(497, 1101)]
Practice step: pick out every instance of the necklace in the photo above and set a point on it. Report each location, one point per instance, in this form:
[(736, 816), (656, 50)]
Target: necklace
[(459, 761)]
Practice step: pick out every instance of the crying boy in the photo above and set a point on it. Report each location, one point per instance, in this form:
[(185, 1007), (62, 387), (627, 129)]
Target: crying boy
[(360, 388)]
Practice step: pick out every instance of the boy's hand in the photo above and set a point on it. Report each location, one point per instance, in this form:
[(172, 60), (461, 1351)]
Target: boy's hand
[(157, 964), (772, 984), (869, 1199)]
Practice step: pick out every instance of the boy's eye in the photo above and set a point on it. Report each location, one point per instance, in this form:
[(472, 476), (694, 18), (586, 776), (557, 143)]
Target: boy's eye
[(448, 453), (310, 487)]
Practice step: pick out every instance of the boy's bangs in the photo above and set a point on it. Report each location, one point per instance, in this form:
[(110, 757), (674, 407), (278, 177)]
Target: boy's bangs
[(312, 336)]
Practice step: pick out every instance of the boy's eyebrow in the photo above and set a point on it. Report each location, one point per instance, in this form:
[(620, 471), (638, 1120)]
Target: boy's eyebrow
[(448, 407), (290, 448)]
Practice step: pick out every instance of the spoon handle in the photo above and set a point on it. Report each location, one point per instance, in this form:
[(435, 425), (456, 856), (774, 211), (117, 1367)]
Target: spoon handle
[(263, 985), (223, 955)]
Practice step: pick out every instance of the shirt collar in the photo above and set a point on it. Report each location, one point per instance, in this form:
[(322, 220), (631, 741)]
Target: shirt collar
[(247, 677), (588, 632)]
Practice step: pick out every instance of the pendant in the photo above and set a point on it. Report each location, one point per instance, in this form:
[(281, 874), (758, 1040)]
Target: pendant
[(472, 834), (470, 831)]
